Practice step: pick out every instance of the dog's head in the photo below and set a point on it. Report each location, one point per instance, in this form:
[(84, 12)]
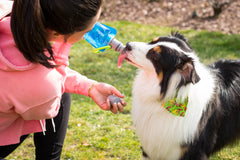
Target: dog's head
[(167, 57)]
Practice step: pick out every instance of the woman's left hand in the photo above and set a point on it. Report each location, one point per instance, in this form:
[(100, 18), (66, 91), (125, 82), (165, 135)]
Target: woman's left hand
[(99, 93)]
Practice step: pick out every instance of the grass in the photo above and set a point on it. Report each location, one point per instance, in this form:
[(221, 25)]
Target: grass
[(94, 134)]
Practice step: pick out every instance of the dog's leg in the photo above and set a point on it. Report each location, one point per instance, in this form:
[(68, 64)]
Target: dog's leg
[(146, 158), (144, 154), (195, 156)]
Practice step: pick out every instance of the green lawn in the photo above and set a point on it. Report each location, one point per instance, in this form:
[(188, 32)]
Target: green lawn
[(94, 134)]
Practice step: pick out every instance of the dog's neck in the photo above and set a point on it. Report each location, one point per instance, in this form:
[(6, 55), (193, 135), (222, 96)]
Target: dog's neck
[(176, 105)]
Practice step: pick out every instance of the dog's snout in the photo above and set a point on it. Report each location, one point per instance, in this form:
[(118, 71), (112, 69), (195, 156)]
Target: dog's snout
[(128, 47)]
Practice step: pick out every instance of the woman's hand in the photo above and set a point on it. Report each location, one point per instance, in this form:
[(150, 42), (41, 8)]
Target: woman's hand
[(99, 93)]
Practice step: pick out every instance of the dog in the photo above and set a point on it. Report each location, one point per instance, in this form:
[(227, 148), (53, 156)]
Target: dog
[(169, 70)]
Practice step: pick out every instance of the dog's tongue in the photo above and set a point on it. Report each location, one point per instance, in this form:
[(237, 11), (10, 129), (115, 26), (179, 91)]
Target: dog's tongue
[(121, 58)]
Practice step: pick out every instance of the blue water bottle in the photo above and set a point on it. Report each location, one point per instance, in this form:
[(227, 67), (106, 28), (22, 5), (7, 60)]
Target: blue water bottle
[(102, 37)]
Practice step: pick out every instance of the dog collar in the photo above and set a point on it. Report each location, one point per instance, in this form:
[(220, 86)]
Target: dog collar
[(177, 107)]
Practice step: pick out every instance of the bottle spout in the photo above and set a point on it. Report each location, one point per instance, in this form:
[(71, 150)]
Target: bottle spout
[(117, 45)]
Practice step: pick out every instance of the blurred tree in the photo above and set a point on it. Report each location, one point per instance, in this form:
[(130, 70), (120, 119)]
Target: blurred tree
[(219, 5)]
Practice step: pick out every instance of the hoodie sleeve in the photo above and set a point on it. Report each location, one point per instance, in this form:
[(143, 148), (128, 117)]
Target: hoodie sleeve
[(77, 83), (61, 52), (74, 81)]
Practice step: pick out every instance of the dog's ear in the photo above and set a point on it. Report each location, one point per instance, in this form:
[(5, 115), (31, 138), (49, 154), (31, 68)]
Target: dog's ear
[(179, 35), (188, 73)]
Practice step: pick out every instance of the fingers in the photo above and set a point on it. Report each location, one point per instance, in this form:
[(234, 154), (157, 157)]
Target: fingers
[(124, 103), (114, 109), (108, 104), (114, 103), (118, 107), (116, 92), (109, 89)]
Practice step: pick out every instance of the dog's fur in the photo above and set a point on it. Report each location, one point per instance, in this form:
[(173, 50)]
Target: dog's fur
[(212, 120)]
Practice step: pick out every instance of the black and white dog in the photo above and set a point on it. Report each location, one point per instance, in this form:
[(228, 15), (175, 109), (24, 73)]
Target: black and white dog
[(169, 69)]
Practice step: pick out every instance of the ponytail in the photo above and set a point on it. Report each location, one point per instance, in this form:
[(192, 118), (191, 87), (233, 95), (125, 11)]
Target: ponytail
[(29, 32)]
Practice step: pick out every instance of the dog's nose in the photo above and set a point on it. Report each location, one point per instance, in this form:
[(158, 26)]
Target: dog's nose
[(128, 47)]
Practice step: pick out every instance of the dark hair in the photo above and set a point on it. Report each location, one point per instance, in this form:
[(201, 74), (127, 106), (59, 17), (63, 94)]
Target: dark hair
[(31, 18)]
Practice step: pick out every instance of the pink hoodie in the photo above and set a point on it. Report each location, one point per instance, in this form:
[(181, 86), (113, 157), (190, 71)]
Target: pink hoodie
[(30, 93)]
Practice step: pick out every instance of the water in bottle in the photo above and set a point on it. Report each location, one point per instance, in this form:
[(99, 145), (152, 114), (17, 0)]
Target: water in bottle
[(102, 35)]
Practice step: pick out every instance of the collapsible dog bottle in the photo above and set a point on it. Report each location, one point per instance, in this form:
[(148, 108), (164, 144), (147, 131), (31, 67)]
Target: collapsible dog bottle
[(102, 37)]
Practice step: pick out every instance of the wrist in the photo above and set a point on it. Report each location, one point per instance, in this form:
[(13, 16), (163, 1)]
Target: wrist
[(89, 90)]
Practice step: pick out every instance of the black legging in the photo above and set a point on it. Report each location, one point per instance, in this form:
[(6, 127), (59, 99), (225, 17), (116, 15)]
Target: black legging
[(48, 147)]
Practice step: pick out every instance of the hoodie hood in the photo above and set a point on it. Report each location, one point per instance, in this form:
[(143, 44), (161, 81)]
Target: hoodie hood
[(11, 59)]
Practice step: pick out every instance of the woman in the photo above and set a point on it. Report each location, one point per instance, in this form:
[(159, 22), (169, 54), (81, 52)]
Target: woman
[(35, 79)]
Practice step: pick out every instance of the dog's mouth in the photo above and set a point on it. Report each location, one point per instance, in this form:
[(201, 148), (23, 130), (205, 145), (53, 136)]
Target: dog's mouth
[(124, 56)]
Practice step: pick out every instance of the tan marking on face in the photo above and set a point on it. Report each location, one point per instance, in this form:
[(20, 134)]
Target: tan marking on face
[(157, 49), (183, 150), (160, 77), (155, 39)]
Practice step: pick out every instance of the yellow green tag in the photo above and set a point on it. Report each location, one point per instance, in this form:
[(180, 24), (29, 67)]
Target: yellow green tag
[(176, 107), (98, 50)]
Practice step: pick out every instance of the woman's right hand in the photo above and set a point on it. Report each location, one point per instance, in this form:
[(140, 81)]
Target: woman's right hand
[(100, 92)]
